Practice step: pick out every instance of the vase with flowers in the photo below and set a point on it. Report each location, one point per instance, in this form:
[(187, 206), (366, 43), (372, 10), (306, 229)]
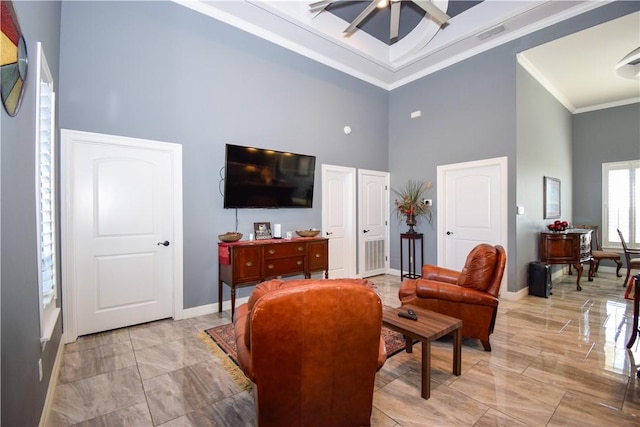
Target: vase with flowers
[(410, 203)]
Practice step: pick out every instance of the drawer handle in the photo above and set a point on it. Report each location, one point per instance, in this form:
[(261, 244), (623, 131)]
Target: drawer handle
[(300, 248), (248, 264), (270, 266), (272, 251), (318, 255), (299, 263)]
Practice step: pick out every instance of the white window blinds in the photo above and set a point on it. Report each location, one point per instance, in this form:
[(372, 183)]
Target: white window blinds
[(46, 197), (47, 225), (621, 196)]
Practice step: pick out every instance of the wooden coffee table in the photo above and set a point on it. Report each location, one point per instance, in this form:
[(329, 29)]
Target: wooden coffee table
[(429, 327)]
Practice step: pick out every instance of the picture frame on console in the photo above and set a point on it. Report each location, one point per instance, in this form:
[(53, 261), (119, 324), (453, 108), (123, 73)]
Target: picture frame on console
[(262, 230), (551, 198)]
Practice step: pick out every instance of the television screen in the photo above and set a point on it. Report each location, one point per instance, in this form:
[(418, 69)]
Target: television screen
[(259, 178)]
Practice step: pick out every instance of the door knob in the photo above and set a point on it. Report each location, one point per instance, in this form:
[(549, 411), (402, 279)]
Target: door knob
[(365, 231), (449, 233), (329, 233), (165, 243)]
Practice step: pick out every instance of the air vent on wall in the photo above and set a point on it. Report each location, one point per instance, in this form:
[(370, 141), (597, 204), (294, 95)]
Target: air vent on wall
[(492, 32)]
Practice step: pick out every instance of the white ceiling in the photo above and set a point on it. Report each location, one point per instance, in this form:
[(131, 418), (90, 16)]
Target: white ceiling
[(427, 48), (579, 69)]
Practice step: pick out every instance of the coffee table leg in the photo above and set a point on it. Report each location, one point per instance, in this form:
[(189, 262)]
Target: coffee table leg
[(408, 344), (457, 351), (426, 369)]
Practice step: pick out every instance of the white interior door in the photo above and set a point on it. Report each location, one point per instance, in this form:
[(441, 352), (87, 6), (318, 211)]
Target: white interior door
[(124, 230), (339, 219), (373, 209), (473, 203)]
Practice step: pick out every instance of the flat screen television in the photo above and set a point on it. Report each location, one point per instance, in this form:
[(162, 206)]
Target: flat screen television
[(259, 178)]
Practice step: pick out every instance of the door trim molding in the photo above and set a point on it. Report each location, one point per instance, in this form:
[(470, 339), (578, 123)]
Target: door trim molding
[(387, 216), (350, 216), (68, 139), (501, 162)]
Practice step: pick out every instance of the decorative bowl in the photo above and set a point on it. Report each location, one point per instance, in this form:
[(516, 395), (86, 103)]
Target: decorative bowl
[(307, 233), (230, 236)]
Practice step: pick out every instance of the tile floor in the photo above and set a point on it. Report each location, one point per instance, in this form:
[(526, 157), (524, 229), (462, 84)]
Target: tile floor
[(555, 362)]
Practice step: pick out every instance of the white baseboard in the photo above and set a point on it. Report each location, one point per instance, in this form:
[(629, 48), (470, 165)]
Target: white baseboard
[(53, 383), (514, 296), (203, 310)]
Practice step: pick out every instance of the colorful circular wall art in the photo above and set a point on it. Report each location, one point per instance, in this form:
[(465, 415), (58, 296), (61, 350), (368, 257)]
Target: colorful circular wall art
[(13, 59)]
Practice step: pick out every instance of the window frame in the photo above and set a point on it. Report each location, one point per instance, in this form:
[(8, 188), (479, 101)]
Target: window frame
[(612, 241), (48, 301)]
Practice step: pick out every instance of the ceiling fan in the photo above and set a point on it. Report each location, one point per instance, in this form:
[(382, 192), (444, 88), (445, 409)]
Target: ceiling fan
[(434, 12)]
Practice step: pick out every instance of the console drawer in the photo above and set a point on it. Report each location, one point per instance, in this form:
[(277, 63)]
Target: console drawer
[(282, 250), (282, 266)]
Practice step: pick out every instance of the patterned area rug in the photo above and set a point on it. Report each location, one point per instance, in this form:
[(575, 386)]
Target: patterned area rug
[(225, 338)]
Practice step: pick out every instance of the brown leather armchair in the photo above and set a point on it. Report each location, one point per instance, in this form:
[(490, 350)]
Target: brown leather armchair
[(312, 349), (470, 295)]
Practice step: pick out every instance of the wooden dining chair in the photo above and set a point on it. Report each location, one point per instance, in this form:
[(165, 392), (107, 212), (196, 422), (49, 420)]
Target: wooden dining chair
[(597, 253), (632, 263)]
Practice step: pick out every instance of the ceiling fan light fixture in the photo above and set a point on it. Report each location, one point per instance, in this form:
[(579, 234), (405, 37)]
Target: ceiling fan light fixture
[(382, 4), (629, 66)]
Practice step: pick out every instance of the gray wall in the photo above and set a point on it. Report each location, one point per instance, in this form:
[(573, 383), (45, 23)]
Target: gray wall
[(23, 394), (460, 106), (469, 113), (544, 149), (601, 136), (161, 71)]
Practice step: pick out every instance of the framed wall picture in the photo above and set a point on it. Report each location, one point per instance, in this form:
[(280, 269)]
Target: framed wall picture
[(262, 230), (551, 198)]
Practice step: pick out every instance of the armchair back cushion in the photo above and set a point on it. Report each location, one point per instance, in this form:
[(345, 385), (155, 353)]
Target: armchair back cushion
[(479, 268), (312, 349)]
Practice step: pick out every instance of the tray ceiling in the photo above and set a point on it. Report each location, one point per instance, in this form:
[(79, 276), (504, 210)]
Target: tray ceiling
[(422, 47)]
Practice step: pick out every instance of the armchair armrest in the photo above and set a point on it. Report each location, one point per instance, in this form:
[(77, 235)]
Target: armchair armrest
[(440, 274), (454, 293)]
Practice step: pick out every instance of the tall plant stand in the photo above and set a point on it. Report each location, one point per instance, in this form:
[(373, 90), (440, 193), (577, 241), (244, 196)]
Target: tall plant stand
[(410, 239)]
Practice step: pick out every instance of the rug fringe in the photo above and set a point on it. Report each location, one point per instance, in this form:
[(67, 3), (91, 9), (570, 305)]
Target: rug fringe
[(236, 373)]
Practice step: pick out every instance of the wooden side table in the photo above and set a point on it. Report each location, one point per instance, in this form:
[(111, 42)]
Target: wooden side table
[(429, 327), (411, 239)]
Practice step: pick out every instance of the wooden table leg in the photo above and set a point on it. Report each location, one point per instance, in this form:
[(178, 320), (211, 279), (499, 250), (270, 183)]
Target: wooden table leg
[(426, 369), (408, 344), (233, 300), (457, 352), (636, 308), (219, 293), (579, 269)]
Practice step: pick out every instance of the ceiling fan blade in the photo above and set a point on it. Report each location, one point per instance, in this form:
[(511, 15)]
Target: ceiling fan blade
[(361, 17), (319, 5), (395, 19), (439, 16)]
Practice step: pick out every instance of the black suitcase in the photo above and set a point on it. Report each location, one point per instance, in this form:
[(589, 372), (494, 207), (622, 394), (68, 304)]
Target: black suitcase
[(539, 279)]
